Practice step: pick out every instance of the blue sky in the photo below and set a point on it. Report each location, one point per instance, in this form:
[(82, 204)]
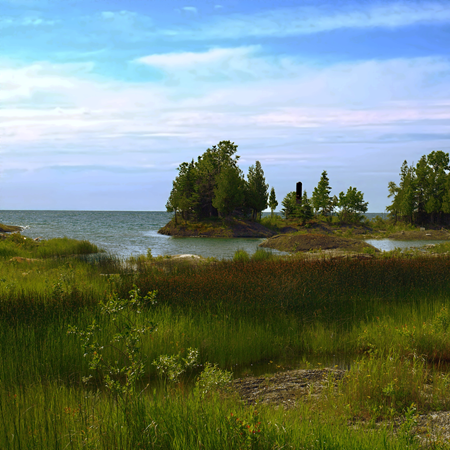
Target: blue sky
[(100, 101)]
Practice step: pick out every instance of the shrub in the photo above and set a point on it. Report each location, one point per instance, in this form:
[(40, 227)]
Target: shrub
[(241, 256)]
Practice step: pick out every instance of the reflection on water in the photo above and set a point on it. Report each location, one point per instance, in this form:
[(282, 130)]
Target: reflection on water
[(390, 244)]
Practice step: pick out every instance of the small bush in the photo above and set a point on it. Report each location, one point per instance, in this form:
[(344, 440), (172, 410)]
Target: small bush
[(241, 256), (262, 255)]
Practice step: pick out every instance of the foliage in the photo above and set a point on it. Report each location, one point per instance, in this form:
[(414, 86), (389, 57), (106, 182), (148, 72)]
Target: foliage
[(294, 210), (173, 366), (257, 188), (122, 374), (228, 191), (246, 431), (306, 211), (351, 205), (212, 379), (262, 255), (423, 194), (289, 205), (321, 198), (272, 201), (214, 185), (241, 256)]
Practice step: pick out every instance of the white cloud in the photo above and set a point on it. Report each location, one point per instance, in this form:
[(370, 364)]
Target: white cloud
[(309, 20), (45, 104), (7, 22), (190, 9), (114, 15), (183, 60)]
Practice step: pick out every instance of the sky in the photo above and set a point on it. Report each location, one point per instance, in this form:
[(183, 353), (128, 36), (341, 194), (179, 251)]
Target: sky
[(101, 100)]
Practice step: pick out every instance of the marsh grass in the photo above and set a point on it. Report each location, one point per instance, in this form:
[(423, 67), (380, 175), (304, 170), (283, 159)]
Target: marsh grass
[(18, 245), (57, 417), (392, 312)]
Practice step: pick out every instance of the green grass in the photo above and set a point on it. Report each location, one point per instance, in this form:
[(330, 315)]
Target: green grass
[(236, 313), (57, 417)]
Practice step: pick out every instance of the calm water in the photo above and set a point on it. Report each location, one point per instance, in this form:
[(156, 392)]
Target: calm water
[(389, 244), (123, 233), (133, 232)]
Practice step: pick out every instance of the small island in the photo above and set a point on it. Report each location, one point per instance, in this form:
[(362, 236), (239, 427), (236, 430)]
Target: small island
[(211, 197)]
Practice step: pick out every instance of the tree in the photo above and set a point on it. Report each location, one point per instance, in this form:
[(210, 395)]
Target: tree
[(321, 199), (305, 212), (209, 166), (423, 193), (228, 191), (183, 196), (272, 201), (352, 205), (289, 205), (257, 190)]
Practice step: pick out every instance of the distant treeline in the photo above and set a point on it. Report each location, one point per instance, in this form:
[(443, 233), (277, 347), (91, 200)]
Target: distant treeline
[(215, 186), (423, 194)]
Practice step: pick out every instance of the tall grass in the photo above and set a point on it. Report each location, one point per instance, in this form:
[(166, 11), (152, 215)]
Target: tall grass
[(18, 245), (57, 417), (235, 313)]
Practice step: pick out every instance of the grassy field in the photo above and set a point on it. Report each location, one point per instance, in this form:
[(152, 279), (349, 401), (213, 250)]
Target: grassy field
[(391, 316)]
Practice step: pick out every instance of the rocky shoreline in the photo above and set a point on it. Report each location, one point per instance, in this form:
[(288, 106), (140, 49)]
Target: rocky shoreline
[(9, 228), (230, 228)]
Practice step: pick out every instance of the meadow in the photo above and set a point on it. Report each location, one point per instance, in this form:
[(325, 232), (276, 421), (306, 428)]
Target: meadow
[(82, 338)]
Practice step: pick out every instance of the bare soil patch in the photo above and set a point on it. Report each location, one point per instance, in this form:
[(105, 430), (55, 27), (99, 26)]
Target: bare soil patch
[(285, 388)]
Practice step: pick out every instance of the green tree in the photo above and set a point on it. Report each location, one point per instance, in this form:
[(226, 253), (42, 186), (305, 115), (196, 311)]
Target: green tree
[(228, 191), (209, 166), (352, 205), (321, 199), (257, 190), (184, 197), (305, 211), (422, 195), (272, 201), (290, 206)]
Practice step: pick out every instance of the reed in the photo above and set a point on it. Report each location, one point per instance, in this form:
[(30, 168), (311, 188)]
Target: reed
[(235, 313)]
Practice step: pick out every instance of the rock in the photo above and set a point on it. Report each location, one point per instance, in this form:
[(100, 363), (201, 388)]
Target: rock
[(286, 388)]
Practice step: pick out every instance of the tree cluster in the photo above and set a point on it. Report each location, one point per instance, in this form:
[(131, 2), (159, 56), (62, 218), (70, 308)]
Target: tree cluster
[(214, 185), (349, 206), (423, 194)]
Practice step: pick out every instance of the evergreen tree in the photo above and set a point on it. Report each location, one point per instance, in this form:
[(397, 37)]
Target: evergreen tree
[(257, 190), (352, 205), (228, 191), (272, 201), (321, 199), (208, 167), (305, 212), (423, 194), (183, 196), (290, 206), (204, 188)]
